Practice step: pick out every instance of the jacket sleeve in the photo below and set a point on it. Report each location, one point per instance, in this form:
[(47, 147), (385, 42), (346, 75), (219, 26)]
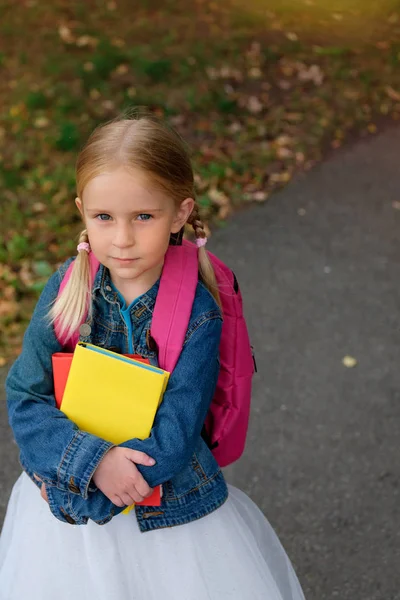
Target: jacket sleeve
[(182, 413), (50, 444)]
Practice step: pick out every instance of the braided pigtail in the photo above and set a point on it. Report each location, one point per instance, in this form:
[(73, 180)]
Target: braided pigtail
[(71, 305), (206, 270)]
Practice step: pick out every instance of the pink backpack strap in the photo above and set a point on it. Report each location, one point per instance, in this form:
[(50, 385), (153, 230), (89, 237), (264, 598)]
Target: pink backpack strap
[(174, 302), (70, 341)]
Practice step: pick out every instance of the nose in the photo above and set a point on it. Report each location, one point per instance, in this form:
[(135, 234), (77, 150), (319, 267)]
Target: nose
[(124, 237)]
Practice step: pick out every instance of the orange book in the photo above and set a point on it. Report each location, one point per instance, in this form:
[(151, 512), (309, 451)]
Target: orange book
[(61, 366)]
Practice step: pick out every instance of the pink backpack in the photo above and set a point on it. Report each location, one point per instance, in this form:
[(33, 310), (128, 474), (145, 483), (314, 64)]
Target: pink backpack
[(227, 420)]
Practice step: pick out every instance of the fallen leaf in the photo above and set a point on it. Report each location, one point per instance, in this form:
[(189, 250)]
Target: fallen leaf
[(313, 73), (94, 94), (86, 40), (41, 122), (283, 177), (259, 196), (349, 362), (218, 197), (66, 34), (8, 308), (284, 153), (393, 95), (255, 73), (383, 45), (38, 207), (254, 105), (122, 69), (88, 66)]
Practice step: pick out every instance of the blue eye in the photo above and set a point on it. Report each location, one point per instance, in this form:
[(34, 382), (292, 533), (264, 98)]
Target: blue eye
[(100, 217), (144, 217)]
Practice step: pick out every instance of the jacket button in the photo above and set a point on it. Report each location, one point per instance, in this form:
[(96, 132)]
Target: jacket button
[(74, 489), (85, 330), (69, 520), (67, 517)]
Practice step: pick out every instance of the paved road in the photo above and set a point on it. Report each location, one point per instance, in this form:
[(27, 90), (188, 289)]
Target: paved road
[(322, 458)]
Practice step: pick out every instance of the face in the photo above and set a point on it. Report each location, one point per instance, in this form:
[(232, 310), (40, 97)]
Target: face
[(129, 222)]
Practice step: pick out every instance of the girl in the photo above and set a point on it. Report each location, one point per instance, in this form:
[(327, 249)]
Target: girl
[(207, 540)]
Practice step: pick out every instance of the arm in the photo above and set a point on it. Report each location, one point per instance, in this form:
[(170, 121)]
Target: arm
[(183, 411), (50, 444)]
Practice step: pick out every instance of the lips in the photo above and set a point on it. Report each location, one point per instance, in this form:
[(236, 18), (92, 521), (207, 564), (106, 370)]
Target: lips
[(124, 259)]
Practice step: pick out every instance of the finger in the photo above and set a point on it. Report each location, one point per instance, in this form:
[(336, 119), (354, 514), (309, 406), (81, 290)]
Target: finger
[(117, 501), (127, 499), (140, 458), (37, 477), (143, 488), (43, 493), (136, 496)]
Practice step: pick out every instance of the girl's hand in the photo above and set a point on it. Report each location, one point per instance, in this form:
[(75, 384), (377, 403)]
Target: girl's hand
[(119, 479), (43, 492)]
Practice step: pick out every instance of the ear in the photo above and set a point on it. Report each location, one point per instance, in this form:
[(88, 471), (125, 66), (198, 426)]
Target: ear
[(78, 203), (182, 214)]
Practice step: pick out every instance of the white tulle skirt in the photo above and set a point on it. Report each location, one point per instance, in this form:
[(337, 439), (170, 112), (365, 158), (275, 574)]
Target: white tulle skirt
[(232, 554)]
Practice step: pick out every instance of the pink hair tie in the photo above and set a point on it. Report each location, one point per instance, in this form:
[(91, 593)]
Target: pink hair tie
[(83, 246), (201, 242)]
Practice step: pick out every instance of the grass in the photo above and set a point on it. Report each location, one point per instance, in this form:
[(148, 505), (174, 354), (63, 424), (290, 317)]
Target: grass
[(259, 93)]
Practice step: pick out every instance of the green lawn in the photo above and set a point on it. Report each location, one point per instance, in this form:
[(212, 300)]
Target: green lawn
[(259, 93)]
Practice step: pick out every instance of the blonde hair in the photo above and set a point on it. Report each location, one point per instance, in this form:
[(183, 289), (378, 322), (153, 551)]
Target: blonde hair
[(150, 145)]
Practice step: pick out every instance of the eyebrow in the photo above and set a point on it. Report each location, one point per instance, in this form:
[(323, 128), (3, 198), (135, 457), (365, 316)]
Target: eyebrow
[(135, 212)]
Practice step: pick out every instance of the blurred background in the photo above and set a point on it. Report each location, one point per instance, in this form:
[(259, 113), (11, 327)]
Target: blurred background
[(260, 90), (268, 95)]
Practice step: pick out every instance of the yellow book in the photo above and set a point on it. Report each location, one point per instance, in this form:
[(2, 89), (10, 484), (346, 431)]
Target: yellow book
[(111, 395)]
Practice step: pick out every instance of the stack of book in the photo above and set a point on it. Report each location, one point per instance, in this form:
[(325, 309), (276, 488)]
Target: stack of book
[(110, 395)]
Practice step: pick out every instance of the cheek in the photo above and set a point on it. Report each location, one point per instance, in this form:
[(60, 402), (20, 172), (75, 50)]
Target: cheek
[(98, 235)]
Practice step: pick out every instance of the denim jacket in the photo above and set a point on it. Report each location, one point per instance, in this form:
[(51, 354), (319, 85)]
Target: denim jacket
[(65, 458)]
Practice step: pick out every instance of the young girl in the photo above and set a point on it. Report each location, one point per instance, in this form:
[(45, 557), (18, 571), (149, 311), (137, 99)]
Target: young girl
[(207, 540)]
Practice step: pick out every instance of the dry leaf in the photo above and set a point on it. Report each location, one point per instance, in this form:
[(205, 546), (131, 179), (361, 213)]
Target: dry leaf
[(283, 153), (8, 308), (88, 66), (94, 94), (254, 105), (349, 362), (86, 40), (66, 34), (259, 196), (313, 73), (393, 95), (255, 73), (41, 122), (283, 177), (224, 212), (218, 197)]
